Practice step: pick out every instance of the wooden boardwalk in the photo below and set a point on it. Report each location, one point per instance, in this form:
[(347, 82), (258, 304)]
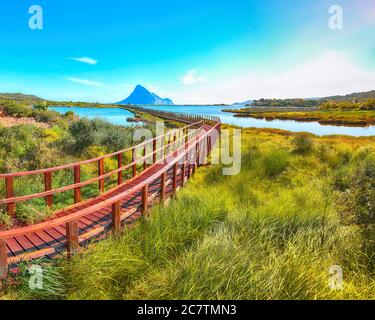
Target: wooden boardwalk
[(171, 161)]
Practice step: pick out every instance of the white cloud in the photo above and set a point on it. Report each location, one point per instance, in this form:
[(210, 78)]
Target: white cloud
[(86, 60), (191, 78), (329, 74), (86, 82)]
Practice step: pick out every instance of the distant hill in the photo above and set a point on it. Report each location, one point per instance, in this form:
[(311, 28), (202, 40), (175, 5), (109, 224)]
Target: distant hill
[(353, 96), (141, 95), (19, 97), (312, 102), (247, 102)]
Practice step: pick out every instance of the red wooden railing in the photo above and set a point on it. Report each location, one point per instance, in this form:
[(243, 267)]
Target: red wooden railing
[(165, 141), (185, 151)]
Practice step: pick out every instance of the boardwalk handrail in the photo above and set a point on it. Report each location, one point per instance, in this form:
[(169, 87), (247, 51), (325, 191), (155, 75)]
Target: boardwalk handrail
[(88, 161), (67, 229), (121, 169), (187, 148), (208, 119), (11, 199)]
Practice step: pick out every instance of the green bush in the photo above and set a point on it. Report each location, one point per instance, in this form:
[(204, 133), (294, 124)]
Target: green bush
[(86, 133), (5, 219), (46, 116), (15, 109), (356, 201), (357, 196), (275, 162), (302, 143), (41, 106), (69, 115), (17, 145), (32, 214), (363, 104)]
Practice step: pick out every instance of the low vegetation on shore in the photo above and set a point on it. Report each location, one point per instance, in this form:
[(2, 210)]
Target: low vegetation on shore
[(334, 111), (334, 117), (300, 205)]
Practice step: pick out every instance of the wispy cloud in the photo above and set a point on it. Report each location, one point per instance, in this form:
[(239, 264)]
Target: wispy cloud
[(85, 82), (191, 77), (329, 73), (86, 60)]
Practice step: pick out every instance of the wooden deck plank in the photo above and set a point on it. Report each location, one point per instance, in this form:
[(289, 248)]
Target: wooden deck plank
[(14, 246), (36, 241), (52, 232), (46, 237), (24, 243)]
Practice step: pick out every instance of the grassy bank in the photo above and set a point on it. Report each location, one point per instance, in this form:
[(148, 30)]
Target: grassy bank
[(300, 205), (348, 118)]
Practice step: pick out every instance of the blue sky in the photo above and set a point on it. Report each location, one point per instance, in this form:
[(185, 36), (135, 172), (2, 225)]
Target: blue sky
[(191, 51)]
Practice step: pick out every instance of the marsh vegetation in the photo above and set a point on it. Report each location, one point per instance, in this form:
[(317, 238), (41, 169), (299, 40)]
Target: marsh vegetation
[(300, 205)]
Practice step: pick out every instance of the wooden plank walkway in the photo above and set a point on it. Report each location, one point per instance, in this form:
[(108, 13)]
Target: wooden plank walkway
[(49, 241), (76, 226)]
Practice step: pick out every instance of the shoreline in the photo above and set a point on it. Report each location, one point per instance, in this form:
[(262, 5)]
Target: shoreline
[(357, 119)]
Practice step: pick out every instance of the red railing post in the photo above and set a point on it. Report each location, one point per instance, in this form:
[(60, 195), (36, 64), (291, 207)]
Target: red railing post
[(72, 238), (119, 164), (77, 179), (168, 148), (162, 147), (197, 154), (3, 259), (174, 142), (48, 187), (195, 162), (11, 207), (100, 173), (145, 200), (208, 149), (183, 173), (134, 156), (144, 157), (189, 165), (163, 187), (154, 151), (174, 179), (116, 216)]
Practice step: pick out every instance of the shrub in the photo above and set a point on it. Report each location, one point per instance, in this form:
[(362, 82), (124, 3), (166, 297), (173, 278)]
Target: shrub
[(88, 133), (14, 109), (117, 138), (364, 104), (70, 115), (31, 214), (356, 202), (358, 198), (85, 133), (5, 219), (45, 116), (275, 162), (41, 106), (17, 145), (302, 143)]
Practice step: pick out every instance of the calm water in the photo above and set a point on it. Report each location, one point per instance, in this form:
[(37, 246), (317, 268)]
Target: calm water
[(113, 115), (119, 116), (291, 125)]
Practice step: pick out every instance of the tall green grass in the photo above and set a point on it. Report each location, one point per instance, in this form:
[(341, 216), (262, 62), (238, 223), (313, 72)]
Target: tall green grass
[(271, 232)]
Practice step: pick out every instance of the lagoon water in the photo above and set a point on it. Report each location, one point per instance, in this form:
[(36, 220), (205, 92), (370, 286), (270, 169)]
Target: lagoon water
[(118, 116), (114, 115), (290, 125)]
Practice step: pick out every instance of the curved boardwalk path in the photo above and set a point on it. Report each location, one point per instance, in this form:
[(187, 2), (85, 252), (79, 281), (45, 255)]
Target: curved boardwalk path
[(165, 164)]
